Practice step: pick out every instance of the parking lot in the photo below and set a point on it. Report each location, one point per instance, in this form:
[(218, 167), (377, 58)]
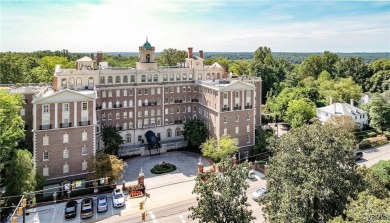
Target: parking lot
[(55, 213)]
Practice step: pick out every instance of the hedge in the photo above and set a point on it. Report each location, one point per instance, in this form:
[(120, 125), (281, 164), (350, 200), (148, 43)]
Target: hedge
[(373, 142)]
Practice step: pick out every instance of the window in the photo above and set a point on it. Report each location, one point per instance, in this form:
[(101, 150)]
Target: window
[(46, 156), (130, 114), (65, 168), (140, 138), (84, 165), (132, 78), (248, 128), (139, 114), (45, 171), (45, 109), (118, 93), (248, 139), (124, 114), (102, 80), (143, 78), (178, 77), (152, 91), (22, 112), (155, 78), (158, 121), (65, 153), (117, 115), (84, 136), (190, 77), (109, 93), (225, 95), (171, 77), (178, 131), (158, 112), (189, 89), (84, 151), (125, 104), (152, 112), (165, 77), (104, 94), (199, 76), (224, 119), (45, 140), (158, 90), (237, 130), (184, 77), (65, 107), (128, 137), (125, 79), (124, 126), (248, 116), (169, 133), (237, 118), (146, 91), (65, 138), (85, 106), (109, 79), (225, 131), (149, 78), (117, 80)]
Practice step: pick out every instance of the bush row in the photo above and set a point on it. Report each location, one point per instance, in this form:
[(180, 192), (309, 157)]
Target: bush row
[(372, 142)]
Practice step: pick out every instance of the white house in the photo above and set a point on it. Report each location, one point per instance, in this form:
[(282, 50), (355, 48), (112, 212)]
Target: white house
[(366, 97), (357, 114)]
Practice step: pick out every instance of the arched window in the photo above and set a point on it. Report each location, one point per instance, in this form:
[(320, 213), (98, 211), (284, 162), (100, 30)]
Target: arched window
[(171, 77), (125, 79), (169, 133), (117, 80), (109, 79), (71, 82), (146, 121), (64, 83), (102, 80), (132, 79), (199, 76), (213, 75), (143, 78), (178, 131), (90, 81), (149, 78), (124, 125), (155, 78), (78, 82), (178, 77), (147, 58), (218, 75), (131, 125), (158, 121), (184, 77), (128, 137), (165, 77), (208, 76), (190, 77), (139, 123)]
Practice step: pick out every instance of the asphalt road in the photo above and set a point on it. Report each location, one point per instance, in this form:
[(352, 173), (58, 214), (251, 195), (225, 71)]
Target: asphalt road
[(374, 155)]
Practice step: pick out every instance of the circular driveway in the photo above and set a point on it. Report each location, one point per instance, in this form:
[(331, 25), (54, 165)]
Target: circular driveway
[(186, 163)]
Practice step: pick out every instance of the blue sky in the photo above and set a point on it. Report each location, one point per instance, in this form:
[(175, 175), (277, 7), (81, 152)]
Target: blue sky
[(219, 25)]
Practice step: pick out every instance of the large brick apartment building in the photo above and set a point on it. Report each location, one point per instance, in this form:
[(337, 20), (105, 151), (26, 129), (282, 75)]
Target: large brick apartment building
[(66, 119)]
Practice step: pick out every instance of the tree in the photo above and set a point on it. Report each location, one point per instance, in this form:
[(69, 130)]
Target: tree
[(261, 139), (47, 64), (240, 67), (105, 165), (299, 112), (379, 82), (112, 140), (11, 124), (342, 90), (311, 175), (379, 112), (367, 208), (170, 57), (219, 149), (354, 67), (344, 122), (220, 60), (222, 197), (195, 131), (20, 173)]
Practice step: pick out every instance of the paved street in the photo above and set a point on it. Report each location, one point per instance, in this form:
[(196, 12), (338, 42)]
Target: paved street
[(372, 156)]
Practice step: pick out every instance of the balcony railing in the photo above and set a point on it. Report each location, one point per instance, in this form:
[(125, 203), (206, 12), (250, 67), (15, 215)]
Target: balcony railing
[(118, 106), (98, 107), (248, 107), (226, 109), (178, 101), (178, 121), (45, 127), (84, 123), (194, 100), (237, 108), (66, 125)]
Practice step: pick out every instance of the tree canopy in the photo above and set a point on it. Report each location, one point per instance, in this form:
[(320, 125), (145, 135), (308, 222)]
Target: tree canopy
[(219, 149), (105, 165), (170, 57), (379, 112), (311, 175), (222, 196), (112, 140), (195, 131), (299, 112)]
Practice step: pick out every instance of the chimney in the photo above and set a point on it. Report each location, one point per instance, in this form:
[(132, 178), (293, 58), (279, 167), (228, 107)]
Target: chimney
[(99, 57), (330, 100), (201, 53), (189, 52), (352, 102)]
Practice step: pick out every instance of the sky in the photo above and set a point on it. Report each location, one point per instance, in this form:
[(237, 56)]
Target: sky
[(209, 25)]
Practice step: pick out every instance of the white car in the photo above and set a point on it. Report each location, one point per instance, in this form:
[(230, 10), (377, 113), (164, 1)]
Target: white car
[(118, 199), (251, 174), (259, 193)]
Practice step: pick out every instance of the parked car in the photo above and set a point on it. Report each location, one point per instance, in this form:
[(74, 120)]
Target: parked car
[(101, 203), (358, 155), (86, 208), (118, 199), (259, 194), (71, 209), (251, 174)]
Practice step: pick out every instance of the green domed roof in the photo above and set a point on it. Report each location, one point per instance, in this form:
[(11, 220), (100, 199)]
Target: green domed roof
[(147, 45)]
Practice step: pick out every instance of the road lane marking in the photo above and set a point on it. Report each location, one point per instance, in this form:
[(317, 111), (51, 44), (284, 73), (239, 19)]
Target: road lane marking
[(152, 216), (181, 218)]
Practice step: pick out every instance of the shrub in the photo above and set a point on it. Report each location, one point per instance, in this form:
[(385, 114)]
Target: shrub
[(163, 168), (372, 142)]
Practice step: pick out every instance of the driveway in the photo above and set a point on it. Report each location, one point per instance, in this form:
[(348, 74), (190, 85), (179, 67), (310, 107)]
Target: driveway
[(186, 163), (374, 155)]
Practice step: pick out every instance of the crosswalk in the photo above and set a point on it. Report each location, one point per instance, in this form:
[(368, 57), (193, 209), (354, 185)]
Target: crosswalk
[(180, 218)]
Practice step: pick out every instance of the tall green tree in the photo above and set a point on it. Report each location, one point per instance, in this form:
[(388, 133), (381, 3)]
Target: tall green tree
[(299, 112), (341, 89), (170, 57), (20, 173), (112, 140), (379, 82), (311, 175), (354, 67), (195, 131), (261, 140), (11, 124), (219, 149), (105, 165), (240, 67), (222, 197), (379, 112)]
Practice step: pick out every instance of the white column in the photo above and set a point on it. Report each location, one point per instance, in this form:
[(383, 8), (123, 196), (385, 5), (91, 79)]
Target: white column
[(243, 99), (75, 114), (55, 115), (231, 100), (94, 112)]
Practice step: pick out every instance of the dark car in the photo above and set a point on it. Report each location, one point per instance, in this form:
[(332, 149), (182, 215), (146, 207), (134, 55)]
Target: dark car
[(101, 203), (86, 208), (71, 209), (358, 155)]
